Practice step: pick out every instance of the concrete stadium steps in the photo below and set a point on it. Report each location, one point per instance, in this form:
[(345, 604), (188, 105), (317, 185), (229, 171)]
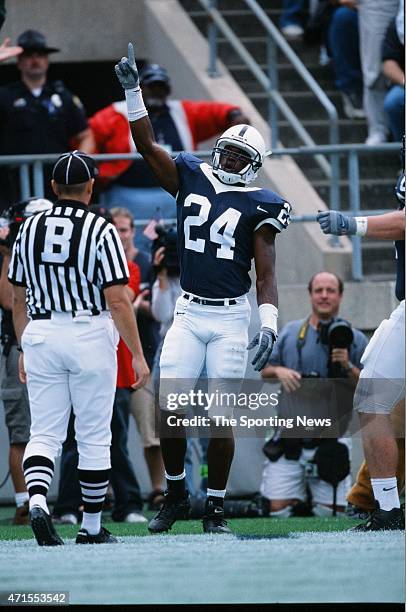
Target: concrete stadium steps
[(377, 172)]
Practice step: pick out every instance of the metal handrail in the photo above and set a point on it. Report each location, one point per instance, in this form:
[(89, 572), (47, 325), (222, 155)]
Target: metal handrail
[(270, 85), (351, 150)]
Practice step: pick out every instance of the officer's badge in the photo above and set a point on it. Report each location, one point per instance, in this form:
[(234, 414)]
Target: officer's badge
[(56, 100), (77, 102), (20, 103)]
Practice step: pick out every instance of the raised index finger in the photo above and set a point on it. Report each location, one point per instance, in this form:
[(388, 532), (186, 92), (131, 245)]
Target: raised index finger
[(131, 56)]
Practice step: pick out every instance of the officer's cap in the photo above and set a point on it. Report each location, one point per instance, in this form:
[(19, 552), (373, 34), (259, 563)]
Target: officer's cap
[(153, 73), (74, 168), (32, 40)]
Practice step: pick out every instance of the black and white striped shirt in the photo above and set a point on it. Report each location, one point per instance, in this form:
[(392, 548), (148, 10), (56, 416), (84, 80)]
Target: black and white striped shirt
[(65, 257)]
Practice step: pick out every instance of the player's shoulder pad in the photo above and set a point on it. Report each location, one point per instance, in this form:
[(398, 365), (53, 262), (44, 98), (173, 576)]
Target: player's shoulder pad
[(187, 160), (269, 207)]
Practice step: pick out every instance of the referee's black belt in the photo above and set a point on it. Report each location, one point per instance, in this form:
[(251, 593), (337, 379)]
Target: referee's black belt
[(205, 302), (94, 312)]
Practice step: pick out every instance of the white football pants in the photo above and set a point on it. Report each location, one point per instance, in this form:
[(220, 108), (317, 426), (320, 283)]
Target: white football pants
[(71, 362), (216, 336), (382, 381)]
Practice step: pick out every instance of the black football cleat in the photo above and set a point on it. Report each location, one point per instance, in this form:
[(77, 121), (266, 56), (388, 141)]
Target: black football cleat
[(172, 509), (103, 537), (213, 519), (383, 520), (43, 529)]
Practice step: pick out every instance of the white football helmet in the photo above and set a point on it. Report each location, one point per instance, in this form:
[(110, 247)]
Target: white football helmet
[(224, 160)]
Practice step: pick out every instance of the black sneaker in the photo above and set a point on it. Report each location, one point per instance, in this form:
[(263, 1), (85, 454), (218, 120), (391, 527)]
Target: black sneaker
[(43, 529), (103, 537), (213, 519), (172, 509), (383, 520)]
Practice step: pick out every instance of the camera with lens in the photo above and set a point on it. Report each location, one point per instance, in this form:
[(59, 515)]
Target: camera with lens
[(16, 214), (336, 333), (167, 238)]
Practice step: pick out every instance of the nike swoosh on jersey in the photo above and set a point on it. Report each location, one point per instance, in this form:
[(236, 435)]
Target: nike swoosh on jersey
[(390, 489), (261, 209), (218, 511)]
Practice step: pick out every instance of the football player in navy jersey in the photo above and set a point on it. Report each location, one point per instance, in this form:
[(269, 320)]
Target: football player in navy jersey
[(222, 225), (381, 385)]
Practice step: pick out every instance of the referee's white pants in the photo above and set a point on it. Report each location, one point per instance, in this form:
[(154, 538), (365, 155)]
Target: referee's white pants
[(71, 363), (382, 380), (216, 336)]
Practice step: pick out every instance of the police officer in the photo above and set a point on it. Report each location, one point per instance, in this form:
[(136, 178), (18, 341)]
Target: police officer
[(38, 116), (301, 352)]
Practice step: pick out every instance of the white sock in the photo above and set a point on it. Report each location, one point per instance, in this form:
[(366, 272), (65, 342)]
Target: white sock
[(21, 498), (386, 492), (39, 500), (176, 476), (91, 522), (216, 493), (286, 512)]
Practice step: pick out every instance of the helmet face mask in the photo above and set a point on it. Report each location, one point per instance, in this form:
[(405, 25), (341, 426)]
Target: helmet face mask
[(238, 155)]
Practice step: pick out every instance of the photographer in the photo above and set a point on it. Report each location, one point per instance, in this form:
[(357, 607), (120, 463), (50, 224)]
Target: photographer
[(312, 348), (13, 391)]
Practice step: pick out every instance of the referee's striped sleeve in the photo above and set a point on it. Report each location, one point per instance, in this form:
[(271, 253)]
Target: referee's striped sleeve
[(113, 268), (16, 273)]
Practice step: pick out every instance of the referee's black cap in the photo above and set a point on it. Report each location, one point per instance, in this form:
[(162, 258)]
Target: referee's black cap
[(74, 168)]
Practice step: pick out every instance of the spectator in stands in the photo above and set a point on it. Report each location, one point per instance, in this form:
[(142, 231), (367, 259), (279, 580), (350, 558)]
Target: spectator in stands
[(13, 393), (142, 401), (374, 19), (343, 48), (291, 21), (393, 57), (178, 124), (38, 116), (303, 351)]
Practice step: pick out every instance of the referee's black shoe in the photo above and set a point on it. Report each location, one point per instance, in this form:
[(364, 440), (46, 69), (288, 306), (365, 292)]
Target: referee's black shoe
[(103, 537), (43, 529), (383, 520), (213, 519), (173, 508)]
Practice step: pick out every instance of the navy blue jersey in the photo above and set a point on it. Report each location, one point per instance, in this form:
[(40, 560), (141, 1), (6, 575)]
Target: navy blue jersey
[(216, 225), (400, 268)]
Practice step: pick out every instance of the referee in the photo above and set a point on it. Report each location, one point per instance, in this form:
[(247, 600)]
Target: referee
[(69, 270)]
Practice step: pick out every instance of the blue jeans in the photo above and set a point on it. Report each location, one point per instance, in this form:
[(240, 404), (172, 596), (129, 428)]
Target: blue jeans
[(394, 106), (127, 493), (146, 204), (343, 43), (292, 13)]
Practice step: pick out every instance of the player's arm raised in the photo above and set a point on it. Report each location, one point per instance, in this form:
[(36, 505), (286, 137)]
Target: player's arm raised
[(267, 295), (160, 162)]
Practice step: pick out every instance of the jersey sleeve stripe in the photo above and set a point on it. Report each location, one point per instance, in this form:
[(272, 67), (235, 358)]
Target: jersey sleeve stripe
[(271, 221)]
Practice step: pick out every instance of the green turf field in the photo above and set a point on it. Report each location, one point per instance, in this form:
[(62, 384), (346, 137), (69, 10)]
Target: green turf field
[(266, 560)]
